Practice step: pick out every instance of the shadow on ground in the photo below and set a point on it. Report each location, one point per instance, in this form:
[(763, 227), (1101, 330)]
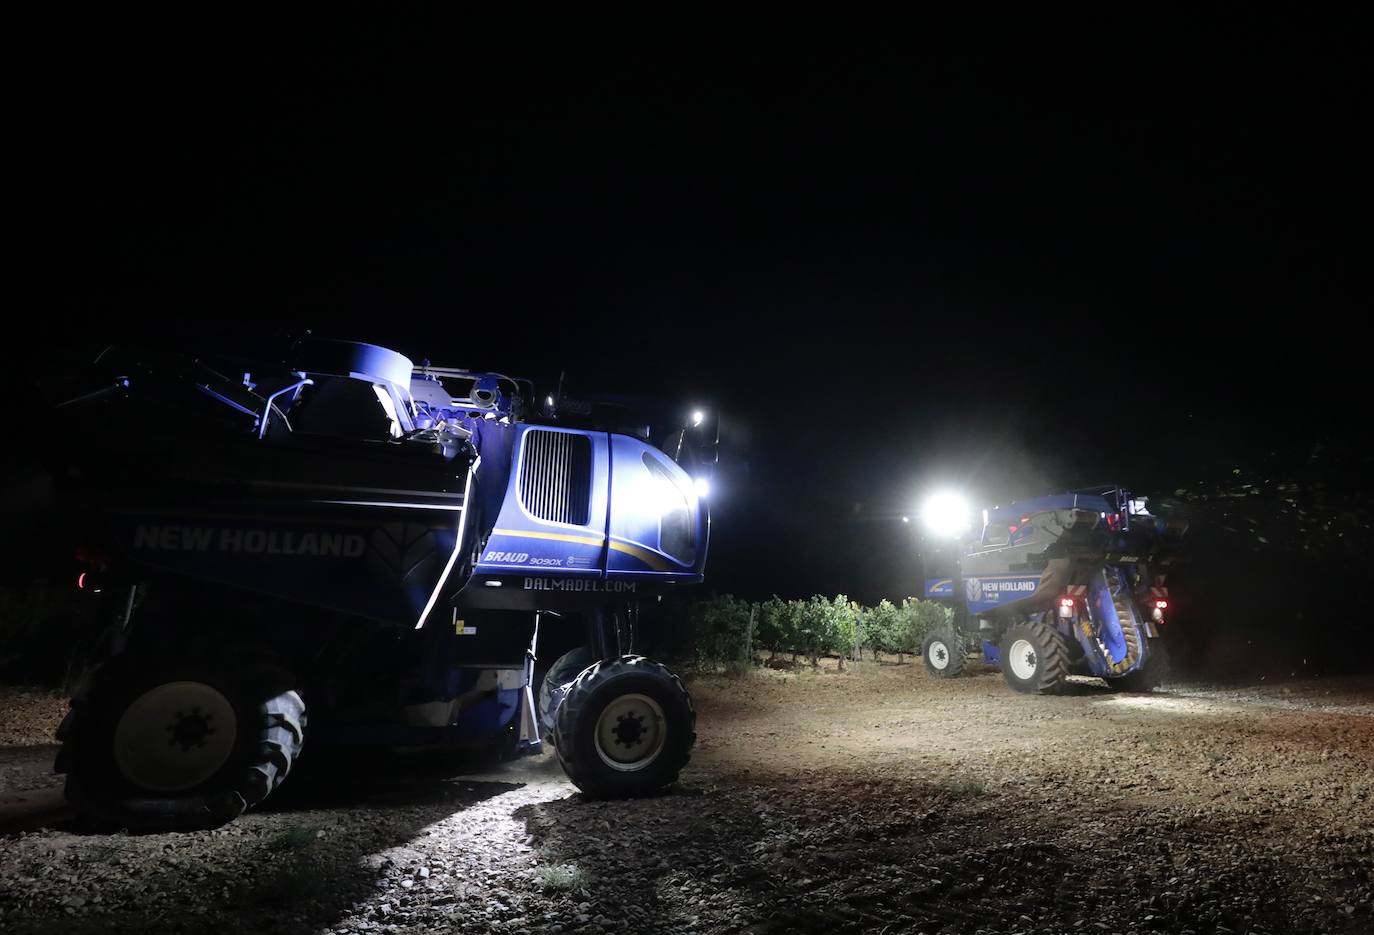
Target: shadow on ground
[(318, 855)]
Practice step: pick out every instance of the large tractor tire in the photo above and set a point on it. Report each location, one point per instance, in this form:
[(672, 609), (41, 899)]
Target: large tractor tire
[(625, 728), (1148, 677), (1034, 658), (554, 685), (943, 653), (169, 745)]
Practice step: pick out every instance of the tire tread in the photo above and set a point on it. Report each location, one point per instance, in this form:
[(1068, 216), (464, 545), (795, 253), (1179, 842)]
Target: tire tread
[(1051, 652), (281, 735), (577, 763)]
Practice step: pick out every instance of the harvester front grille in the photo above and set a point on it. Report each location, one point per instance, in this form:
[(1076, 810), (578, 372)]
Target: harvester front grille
[(556, 476)]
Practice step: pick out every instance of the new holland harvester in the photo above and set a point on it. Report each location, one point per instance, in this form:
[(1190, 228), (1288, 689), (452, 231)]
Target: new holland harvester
[(400, 556), (1060, 585)]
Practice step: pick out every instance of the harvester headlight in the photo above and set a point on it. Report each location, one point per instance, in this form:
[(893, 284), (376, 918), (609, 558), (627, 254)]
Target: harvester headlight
[(654, 494), (946, 514), (698, 417), (702, 486)]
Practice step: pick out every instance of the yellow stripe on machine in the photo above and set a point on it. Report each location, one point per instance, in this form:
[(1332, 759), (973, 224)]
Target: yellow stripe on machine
[(555, 536), (644, 555)]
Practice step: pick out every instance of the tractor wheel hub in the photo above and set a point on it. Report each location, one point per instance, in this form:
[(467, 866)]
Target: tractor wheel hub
[(630, 732), (175, 736), (1023, 659), (938, 655)]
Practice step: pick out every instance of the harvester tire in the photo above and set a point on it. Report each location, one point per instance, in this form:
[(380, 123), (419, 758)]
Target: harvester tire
[(170, 745), (625, 728), (554, 685), (1150, 676), (943, 653), (1034, 658)]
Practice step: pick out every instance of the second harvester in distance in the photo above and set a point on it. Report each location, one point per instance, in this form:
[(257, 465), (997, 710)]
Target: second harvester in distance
[(1060, 585)]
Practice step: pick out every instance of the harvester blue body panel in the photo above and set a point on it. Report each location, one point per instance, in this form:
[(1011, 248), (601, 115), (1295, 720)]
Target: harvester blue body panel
[(991, 654), (636, 515), (547, 536), (938, 588), (995, 591), (657, 526)]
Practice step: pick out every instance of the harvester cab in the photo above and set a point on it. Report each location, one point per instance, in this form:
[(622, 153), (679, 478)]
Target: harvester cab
[(1069, 584), (415, 556)]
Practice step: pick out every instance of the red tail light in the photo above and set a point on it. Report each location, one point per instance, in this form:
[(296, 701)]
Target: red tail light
[(1161, 605)]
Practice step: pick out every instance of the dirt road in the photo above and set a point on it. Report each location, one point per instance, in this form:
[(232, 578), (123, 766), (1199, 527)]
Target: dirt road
[(872, 801)]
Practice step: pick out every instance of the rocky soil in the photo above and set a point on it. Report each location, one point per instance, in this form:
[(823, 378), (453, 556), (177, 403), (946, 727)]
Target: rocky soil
[(877, 800)]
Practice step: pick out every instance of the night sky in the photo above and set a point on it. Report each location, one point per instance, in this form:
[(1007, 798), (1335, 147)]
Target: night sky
[(1013, 257)]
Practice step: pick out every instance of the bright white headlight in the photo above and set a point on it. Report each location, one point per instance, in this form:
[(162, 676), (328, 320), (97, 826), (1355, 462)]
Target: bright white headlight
[(946, 514)]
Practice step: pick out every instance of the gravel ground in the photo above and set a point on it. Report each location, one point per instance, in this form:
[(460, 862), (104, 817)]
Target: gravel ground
[(877, 800), (29, 716)]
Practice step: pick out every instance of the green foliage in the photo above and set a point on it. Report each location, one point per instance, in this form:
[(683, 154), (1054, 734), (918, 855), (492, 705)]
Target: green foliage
[(881, 627), (721, 629), (812, 627), (841, 626), (724, 630), (794, 624), (771, 625), (921, 618), (847, 635)]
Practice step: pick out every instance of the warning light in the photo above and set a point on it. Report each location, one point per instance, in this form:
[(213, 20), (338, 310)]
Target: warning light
[(81, 581)]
